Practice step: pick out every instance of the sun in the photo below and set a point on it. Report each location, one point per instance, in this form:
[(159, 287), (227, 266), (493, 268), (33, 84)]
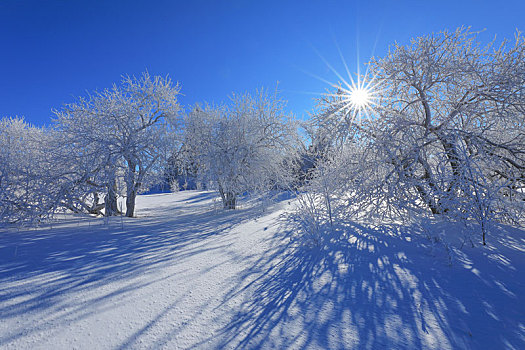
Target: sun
[(355, 98), (360, 97)]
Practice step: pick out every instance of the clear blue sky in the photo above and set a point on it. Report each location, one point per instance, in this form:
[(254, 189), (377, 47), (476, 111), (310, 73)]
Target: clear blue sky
[(51, 51)]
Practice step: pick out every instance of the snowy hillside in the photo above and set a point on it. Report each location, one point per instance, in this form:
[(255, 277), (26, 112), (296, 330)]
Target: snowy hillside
[(186, 274)]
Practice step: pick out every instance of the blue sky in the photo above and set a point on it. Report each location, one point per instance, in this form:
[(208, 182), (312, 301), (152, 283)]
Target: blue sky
[(52, 51)]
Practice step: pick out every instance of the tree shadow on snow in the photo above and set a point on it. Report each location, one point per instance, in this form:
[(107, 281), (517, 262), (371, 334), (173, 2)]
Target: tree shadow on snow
[(39, 267), (382, 287)]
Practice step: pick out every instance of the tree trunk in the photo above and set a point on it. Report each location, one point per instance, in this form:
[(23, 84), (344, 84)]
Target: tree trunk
[(131, 188), (111, 199), (229, 199), (130, 203), (483, 229)]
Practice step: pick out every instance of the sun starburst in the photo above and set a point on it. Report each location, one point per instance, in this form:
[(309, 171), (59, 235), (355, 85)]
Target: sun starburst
[(359, 97), (352, 100), (356, 99)]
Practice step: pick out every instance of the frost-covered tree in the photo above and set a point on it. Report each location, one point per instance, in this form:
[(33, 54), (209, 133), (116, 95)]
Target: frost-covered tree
[(446, 132), (31, 188), (16, 160), (242, 146), (122, 134), (94, 165), (181, 170)]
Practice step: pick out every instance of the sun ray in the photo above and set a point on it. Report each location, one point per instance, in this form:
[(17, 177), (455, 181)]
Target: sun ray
[(344, 61), (331, 68), (317, 77)]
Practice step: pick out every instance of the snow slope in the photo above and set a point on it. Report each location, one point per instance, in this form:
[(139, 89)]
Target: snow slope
[(187, 275)]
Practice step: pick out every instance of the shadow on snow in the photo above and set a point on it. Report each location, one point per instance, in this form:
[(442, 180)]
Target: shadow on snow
[(39, 267), (371, 287), (382, 287)]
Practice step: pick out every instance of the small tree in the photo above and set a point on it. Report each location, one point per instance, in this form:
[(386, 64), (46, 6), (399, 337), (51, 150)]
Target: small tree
[(240, 147)]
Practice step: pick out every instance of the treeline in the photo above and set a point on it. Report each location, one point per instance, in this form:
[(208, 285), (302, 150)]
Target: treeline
[(121, 141), (440, 132)]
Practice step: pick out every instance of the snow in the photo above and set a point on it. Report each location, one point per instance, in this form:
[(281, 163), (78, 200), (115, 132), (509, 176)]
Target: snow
[(185, 274)]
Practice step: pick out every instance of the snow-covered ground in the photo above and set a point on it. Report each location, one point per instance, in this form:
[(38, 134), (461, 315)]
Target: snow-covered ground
[(187, 275)]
